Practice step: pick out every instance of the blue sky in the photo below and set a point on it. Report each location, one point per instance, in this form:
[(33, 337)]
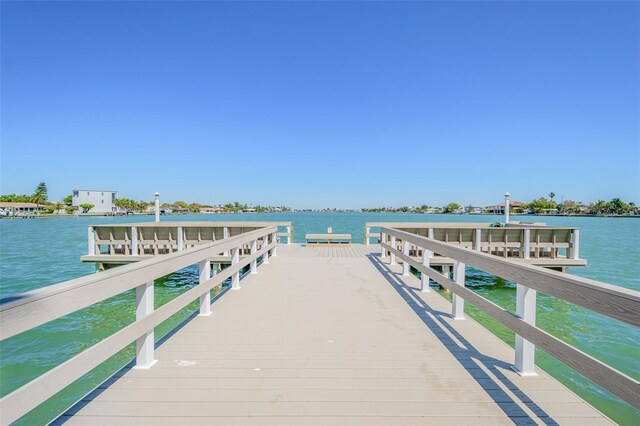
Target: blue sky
[(322, 104)]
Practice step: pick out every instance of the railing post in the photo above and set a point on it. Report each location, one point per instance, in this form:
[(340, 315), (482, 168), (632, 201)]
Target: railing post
[(134, 241), (367, 231), (458, 302), (383, 251), (478, 242), (205, 299), (393, 255), (527, 243), (254, 262), (424, 278), (144, 343), (525, 350), (289, 235), (575, 244), (235, 259), (405, 264), (225, 234), (274, 238), (180, 239), (91, 242), (265, 243)]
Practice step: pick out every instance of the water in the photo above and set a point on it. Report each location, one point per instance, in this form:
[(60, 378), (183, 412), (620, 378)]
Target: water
[(37, 253)]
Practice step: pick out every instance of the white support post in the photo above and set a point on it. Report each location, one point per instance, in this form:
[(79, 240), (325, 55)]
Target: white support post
[(91, 242), (383, 251), (458, 302), (575, 244), (157, 206), (265, 243), (134, 241), (478, 241), (225, 234), (254, 262), (235, 259), (205, 299), (367, 231), (180, 239), (527, 243), (144, 343), (525, 350), (424, 278), (274, 238), (506, 207), (405, 264), (393, 255), (289, 235)]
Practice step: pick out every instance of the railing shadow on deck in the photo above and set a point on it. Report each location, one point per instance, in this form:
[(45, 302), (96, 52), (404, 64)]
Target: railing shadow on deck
[(88, 398), (469, 357)]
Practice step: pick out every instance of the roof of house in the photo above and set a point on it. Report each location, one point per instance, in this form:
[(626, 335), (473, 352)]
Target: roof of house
[(96, 190), (3, 204)]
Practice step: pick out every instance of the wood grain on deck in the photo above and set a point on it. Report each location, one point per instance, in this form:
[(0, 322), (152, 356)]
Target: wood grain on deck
[(330, 335)]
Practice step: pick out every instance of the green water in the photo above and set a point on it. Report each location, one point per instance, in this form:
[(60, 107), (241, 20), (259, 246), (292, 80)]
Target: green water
[(41, 252)]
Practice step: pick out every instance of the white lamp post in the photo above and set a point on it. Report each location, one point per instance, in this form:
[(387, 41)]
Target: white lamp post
[(506, 207), (157, 207)]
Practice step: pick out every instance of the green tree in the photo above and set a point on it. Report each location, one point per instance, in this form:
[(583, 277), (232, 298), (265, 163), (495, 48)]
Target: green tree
[(451, 208), (86, 207), (68, 200), (552, 195), (40, 194)]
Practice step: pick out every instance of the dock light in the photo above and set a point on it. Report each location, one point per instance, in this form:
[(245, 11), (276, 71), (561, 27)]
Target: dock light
[(157, 195), (506, 207)]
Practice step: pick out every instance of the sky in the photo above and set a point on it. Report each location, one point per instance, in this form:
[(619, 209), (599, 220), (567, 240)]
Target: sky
[(322, 104)]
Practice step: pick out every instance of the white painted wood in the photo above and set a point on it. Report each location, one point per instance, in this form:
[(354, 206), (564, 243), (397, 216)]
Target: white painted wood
[(254, 263), (265, 243), (135, 251), (91, 241), (424, 278), (289, 235), (392, 261), (506, 207), (367, 231), (383, 252), (274, 238), (205, 299), (180, 238), (225, 235), (157, 207), (405, 251), (525, 350), (235, 259), (457, 309), (527, 243), (145, 343), (478, 240), (575, 244)]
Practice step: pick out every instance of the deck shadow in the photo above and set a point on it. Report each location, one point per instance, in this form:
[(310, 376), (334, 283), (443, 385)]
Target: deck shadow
[(468, 356)]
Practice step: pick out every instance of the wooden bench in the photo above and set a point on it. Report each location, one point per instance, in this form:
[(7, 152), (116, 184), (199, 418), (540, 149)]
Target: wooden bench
[(328, 238)]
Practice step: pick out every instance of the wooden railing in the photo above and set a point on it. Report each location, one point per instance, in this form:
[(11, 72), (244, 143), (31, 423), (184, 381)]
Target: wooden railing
[(153, 238), (29, 310), (515, 240), (613, 301)]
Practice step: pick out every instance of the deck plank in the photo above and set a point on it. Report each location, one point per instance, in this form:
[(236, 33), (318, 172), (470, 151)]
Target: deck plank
[(330, 335)]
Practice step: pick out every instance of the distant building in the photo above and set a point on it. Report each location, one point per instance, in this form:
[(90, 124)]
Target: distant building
[(19, 209), (211, 210), (473, 210), (499, 208), (103, 201)]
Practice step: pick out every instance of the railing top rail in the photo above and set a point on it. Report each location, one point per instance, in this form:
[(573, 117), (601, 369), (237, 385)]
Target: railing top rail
[(614, 301), (23, 312), (208, 223), (461, 225)]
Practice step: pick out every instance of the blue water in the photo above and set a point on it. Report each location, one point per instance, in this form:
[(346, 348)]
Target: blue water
[(40, 252)]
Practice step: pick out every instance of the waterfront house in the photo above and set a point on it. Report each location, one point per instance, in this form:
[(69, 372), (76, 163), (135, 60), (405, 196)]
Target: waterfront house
[(211, 210), (103, 201), (19, 209), (499, 208)]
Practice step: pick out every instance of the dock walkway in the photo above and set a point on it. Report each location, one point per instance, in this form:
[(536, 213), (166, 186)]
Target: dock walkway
[(331, 336)]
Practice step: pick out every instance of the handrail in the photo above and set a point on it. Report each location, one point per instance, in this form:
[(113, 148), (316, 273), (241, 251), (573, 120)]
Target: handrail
[(616, 302), (37, 307)]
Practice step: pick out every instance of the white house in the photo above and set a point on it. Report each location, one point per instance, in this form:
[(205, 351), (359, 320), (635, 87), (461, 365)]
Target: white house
[(19, 209), (102, 200)]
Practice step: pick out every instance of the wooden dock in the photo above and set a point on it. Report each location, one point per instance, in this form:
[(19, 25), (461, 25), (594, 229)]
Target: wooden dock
[(323, 335), (331, 335)]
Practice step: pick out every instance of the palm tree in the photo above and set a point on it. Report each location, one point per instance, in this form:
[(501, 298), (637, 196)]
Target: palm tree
[(552, 195)]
